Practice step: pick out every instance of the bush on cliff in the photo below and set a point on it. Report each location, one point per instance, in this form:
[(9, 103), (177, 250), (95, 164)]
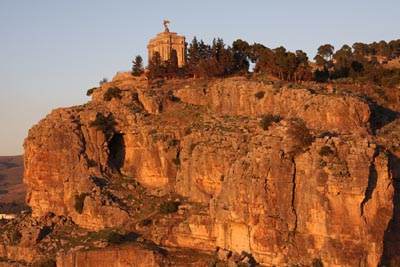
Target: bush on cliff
[(104, 123), (15, 236), (112, 92), (168, 207), (325, 151), (90, 91), (47, 263), (115, 238), (259, 94), (301, 135), (267, 120), (317, 263)]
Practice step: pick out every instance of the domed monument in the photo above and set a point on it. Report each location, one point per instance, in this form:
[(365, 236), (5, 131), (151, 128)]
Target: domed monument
[(165, 42)]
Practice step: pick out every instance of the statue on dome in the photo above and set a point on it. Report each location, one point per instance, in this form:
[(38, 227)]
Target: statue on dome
[(166, 22)]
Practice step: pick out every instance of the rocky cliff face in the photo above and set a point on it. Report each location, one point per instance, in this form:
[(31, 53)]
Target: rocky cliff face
[(311, 183)]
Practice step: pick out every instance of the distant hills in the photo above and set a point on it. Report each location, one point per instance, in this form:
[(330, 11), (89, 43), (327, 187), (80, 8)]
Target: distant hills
[(12, 188)]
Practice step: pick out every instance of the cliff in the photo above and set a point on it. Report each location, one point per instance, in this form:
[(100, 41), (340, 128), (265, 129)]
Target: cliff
[(263, 173)]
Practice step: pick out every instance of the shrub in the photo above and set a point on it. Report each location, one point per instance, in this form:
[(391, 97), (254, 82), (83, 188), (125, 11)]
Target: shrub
[(91, 163), (146, 222), (104, 124), (79, 202), (188, 131), (47, 263), (103, 81), (325, 151), (259, 94), (317, 263), (90, 91), (44, 232), (300, 133), (267, 120), (112, 92), (115, 238), (15, 236), (168, 207), (173, 142)]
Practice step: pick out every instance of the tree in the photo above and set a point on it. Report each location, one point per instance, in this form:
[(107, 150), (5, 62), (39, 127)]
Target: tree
[(241, 54), (172, 65), (255, 52), (193, 55), (320, 61), (361, 49), (343, 59), (395, 47), (156, 67), (384, 49), (303, 69), (326, 51), (137, 68), (280, 61), (264, 58), (321, 75)]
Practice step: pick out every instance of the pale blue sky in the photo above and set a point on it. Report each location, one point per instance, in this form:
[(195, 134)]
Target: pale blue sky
[(52, 51)]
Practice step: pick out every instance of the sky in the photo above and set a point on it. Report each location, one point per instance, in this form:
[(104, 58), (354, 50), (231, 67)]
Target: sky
[(53, 51)]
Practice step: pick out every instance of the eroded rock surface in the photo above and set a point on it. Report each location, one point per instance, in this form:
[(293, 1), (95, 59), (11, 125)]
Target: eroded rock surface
[(314, 184)]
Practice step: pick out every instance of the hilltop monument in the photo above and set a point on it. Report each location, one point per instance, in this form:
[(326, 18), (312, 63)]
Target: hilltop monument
[(165, 42)]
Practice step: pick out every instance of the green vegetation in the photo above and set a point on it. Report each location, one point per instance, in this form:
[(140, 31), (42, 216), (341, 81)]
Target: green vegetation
[(15, 236), (360, 63), (300, 134), (103, 81), (267, 120), (47, 263), (325, 151), (90, 91), (146, 222), (104, 123), (112, 92), (317, 263), (137, 68), (168, 207), (259, 94), (115, 238), (79, 202)]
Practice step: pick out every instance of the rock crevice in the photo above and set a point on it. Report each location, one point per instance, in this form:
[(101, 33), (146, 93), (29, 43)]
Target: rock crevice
[(286, 192)]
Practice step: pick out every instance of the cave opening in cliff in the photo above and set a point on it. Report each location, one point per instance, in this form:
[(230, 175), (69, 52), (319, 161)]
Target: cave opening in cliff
[(116, 147)]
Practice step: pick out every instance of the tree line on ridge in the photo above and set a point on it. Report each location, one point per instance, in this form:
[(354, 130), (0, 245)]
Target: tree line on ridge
[(358, 63)]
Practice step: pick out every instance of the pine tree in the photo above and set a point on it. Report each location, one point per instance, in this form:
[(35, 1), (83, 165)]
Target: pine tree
[(156, 67), (193, 57), (172, 65), (137, 68)]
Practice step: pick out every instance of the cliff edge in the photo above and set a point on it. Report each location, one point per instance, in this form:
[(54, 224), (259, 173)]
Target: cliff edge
[(267, 173)]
